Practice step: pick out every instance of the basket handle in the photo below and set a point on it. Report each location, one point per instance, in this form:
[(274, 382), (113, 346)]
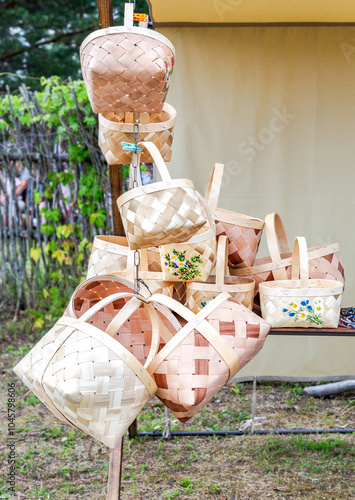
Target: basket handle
[(199, 322), (300, 268), (276, 239), (214, 186), (158, 159), (211, 233), (128, 14), (222, 260), (124, 314)]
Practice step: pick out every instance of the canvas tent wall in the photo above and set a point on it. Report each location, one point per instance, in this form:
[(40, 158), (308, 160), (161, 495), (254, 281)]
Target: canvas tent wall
[(276, 105)]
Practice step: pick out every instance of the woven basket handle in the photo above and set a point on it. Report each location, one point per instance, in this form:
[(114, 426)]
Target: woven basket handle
[(124, 314), (199, 322), (128, 14), (211, 233), (276, 239), (158, 160), (214, 186), (222, 260), (300, 261)]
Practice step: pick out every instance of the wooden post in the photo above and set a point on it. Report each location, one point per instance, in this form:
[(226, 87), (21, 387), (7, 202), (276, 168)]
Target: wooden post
[(115, 466)]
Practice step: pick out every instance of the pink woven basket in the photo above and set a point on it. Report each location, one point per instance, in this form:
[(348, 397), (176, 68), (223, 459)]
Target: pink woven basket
[(243, 232), (127, 68), (207, 352), (324, 261)]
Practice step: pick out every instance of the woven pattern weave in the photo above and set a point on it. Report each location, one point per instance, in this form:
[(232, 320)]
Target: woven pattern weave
[(200, 294), (160, 213), (243, 232), (136, 333), (126, 71), (240, 328), (243, 242), (109, 255), (113, 131), (87, 378), (241, 289), (199, 360), (327, 266), (192, 260)]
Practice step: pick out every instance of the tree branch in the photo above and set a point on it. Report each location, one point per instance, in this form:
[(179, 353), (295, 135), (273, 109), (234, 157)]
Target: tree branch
[(45, 42)]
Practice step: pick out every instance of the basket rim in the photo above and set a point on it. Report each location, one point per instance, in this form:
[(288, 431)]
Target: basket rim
[(233, 287), (265, 264), (223, 215), (143, 127), (153, 188), (289, 288), (119, 244), (127, 29)]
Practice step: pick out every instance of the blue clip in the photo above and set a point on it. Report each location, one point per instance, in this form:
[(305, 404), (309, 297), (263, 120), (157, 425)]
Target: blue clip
[(128, 146)]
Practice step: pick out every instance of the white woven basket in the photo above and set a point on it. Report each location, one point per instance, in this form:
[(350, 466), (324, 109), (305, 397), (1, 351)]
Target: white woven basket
[(301, 302), (162, 212)]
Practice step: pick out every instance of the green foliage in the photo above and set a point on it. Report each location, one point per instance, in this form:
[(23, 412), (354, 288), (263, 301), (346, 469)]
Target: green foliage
[(68, 200), (43, 38)]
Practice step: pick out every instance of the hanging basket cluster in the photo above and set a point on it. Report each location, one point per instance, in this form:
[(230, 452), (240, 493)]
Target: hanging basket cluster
[(152, 317)]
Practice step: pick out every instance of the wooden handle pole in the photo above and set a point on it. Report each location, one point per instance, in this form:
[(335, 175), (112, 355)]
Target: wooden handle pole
[(105, 13), (115, 466), (115, 472)]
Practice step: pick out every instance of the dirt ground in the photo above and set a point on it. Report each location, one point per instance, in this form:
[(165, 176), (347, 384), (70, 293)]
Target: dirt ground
[(53, 461)]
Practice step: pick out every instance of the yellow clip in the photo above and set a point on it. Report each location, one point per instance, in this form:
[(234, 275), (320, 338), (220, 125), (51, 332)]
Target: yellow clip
[(140, 17)]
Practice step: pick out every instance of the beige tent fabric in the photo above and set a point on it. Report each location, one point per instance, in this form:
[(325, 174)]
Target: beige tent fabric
[(276, 105), (251, 11), (302, 358)]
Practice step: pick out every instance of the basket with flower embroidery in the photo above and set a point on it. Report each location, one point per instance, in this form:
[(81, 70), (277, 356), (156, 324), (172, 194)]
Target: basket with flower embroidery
[(181, 267), (301, 302)]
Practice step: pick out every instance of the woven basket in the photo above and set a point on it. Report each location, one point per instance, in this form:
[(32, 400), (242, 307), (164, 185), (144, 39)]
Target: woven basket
[(301, 302), (162, 212), (207, 352), (127, 68), (241, 289), (179, 292), (136, 334), (194, 259), (113, 131), (109, 255), (243, 232), (90, 379), (324, 261)]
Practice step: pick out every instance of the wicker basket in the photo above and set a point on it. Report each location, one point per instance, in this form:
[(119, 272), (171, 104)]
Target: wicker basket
[(91, 379), (113, 130), (193, 260), (301, 302), (162, 212), (109, 255), (179, 292), (136, 334), (243, 232), (241, 289), (127, 68), (207, 352), (324, 261)]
